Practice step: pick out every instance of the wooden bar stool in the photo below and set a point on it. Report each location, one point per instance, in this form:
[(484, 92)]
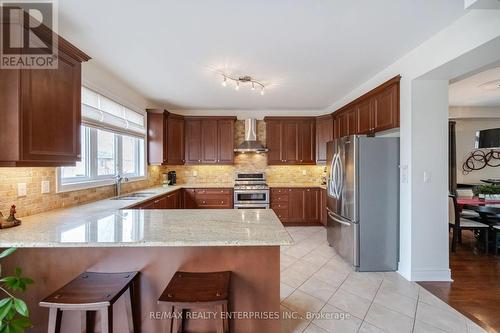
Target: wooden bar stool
[(94, 292), (197, 290)]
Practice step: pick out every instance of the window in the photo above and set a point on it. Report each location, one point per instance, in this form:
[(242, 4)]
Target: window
[(112, 139)]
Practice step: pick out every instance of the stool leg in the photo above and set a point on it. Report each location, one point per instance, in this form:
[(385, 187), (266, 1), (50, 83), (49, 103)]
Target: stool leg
[(219, 324), (128, 308), (90, 321), (107, 319), (177, 323), (226, 319), (55, 318)]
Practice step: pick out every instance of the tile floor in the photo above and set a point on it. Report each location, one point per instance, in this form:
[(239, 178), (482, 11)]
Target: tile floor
[(315, 281)]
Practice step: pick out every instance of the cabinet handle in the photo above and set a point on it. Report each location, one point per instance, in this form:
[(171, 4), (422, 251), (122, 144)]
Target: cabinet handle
[(222, 202), (156, 201), (204, 201), (289, 190), (199, 160), (308, 190)]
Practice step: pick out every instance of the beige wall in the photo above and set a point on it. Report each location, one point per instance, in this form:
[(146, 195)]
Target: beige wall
[(466, 133)]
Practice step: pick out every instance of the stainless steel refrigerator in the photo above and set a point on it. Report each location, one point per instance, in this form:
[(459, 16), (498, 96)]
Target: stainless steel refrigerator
[(363, 201)]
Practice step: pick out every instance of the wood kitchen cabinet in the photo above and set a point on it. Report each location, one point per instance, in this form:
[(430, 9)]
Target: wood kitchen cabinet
[(291, 140), (214, 198), (165, 138), (189, 198), (299, 206), (167, 201), (209, 140), (324, 133), (40, 110), (375, 111)]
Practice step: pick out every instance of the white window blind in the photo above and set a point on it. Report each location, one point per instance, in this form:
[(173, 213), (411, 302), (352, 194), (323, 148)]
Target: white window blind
[(99, 111)]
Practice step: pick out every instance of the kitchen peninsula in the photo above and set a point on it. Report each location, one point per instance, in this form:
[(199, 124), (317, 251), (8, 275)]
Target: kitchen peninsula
[(105, 236)]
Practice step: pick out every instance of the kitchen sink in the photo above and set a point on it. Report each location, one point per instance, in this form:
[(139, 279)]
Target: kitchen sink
[(134, 196)]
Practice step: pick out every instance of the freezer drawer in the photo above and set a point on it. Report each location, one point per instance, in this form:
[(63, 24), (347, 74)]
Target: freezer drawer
[(343, 235)]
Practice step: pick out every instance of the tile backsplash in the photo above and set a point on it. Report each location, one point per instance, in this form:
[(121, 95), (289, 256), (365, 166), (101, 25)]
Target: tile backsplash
[(35, 202)]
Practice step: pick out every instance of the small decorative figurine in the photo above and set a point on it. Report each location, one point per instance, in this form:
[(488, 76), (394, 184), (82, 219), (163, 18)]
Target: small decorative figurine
[(11, 221)]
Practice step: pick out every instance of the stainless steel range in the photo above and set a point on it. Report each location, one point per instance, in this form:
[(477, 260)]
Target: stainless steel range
[(251, 190)]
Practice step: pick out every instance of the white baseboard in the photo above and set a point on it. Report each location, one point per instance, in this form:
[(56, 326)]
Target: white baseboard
[(431, 275)]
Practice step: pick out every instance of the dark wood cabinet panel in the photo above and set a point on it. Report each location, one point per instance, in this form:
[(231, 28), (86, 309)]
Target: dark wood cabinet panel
[(209, 141), (189, 201), (297, 206), (193, 141), (307, 142), (311, 204), (175, 140), (172, 200), (165, 137), (364, 113), (386, 110), (274, 136), (343, 124), (375, 111), (291, 140), (324, 133), (41, 112), (322, 207), (225, 139)]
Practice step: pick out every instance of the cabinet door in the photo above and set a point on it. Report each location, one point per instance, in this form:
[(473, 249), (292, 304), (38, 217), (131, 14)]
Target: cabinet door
[(307, 142), (296, 205), (385, 111), (209, 141), (193, 141), (352, 121), (274, 135), (311, 205), (322, 207), (189, 198), (336, 127), (324, 133), (50, 113), (343, 124), (175, 140), (290, 141), (225, 139), (156, 138), (365, 121)]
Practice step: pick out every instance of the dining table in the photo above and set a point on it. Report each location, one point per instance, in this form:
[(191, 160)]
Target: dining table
[(487, 209)]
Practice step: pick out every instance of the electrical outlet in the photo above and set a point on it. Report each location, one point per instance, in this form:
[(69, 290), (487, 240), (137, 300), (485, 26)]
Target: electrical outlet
[(21, 190), (45, 186), (304, 172), (195, 173)]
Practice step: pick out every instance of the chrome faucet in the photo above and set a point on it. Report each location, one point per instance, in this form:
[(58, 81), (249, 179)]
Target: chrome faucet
[(118, 184)]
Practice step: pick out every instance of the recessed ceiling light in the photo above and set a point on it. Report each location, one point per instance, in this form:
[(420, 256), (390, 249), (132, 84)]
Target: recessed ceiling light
[(491, 85)]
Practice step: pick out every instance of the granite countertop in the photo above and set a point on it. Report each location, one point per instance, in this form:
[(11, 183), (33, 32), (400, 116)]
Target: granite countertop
[(108, 223)]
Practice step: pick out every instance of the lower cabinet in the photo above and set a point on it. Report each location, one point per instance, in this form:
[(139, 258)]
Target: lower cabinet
[(190, 198), (297, 205)]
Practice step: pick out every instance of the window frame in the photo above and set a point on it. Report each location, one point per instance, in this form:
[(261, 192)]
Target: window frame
[(92, 179)]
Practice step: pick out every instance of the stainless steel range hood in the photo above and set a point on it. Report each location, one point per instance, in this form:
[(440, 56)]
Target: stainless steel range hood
[(251, 145)]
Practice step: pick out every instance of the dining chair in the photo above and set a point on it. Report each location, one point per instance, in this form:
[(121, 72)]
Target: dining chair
[(457, 223)]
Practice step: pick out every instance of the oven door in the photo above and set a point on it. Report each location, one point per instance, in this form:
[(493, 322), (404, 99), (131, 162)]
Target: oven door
[(251, 197), (251, 206)]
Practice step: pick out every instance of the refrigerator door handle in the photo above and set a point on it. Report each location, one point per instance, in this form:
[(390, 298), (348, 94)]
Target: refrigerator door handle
[(336, 219)]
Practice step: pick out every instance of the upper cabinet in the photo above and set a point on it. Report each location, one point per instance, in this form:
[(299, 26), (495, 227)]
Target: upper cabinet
[(291, 140), (324, 133), (375, 111), (165, 138), (40, 111), (209, 140)]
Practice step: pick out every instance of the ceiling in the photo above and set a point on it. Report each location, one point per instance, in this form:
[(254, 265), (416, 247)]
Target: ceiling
[(308, 53), (474, 91)]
